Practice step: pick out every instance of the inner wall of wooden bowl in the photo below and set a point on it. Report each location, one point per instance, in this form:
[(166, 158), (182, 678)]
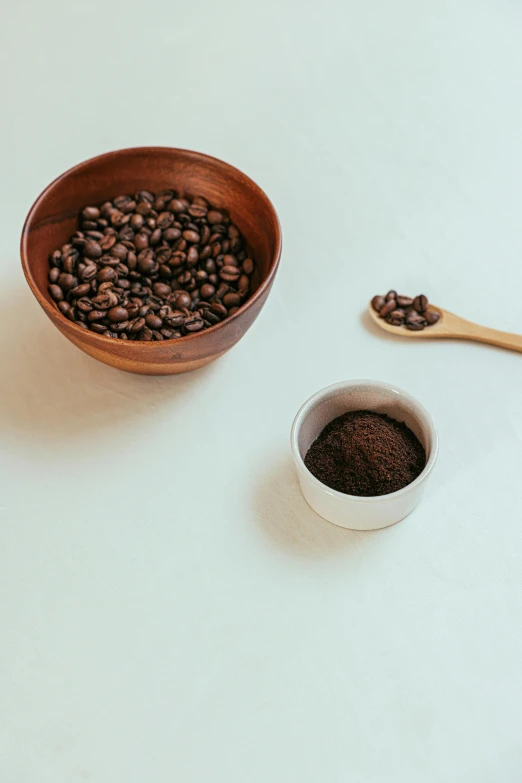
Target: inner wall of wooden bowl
[(56, 216)]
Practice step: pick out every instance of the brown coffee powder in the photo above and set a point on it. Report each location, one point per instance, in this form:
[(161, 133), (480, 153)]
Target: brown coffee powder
[(365, 453)]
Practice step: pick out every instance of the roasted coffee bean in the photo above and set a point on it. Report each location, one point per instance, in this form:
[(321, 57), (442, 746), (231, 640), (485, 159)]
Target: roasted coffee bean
[(231, 300), (54, 274), (136, 325), (391, 295), (229, 273), (404, 301), (106, 275), (248, 266), (56, 293), (136, 257), (431, 316), (378, 303), (89, 273), (388, 307), (420, 303), (146, 261), (193, 325), (96, 315), (190, 235), (84, 305), (117, 314), (218, 309), (67, 281), (207, 291), (162, 290), (396, 317), (182, 300), (80, 290), (92, 249), (153, 321), (108, 241), (416, 326), (176, 320), (90, 213)]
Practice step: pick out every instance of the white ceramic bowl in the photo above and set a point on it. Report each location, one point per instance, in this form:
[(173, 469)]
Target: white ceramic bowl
[(361, 513)]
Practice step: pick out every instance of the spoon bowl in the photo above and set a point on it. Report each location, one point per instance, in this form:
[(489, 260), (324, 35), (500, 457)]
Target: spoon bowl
[(451, 326)]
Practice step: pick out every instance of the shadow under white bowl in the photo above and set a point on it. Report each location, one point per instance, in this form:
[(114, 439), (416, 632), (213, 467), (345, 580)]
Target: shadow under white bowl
[(352, 511)]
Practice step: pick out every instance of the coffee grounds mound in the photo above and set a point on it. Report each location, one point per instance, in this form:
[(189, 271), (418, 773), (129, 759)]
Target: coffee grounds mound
[(366, 454)]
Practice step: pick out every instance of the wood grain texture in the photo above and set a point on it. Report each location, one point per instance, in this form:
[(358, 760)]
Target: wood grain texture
[(53, 218), (453, 326)]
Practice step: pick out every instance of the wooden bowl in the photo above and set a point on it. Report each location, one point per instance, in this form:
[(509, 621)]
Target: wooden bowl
[(53, 219)]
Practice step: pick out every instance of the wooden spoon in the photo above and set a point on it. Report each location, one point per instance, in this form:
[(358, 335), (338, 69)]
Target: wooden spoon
[(451, 325)]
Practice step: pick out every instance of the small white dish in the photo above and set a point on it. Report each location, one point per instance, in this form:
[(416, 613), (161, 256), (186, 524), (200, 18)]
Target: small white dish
[(351, 511)]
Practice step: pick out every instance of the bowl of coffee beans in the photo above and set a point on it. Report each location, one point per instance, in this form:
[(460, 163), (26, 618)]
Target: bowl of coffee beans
[(153, 260), (363, 451)]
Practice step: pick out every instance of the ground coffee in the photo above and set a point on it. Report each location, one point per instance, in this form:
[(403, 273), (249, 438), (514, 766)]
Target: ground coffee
[(365, 453)]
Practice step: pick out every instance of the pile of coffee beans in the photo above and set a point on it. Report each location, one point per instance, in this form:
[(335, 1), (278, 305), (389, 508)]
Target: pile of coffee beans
[(366, 454), (151, 267), (411, 312)]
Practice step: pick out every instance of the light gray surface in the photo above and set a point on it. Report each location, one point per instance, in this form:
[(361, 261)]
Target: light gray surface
[(170, 607)]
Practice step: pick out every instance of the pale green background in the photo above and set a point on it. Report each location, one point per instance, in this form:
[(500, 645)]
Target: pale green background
[(170, 609)]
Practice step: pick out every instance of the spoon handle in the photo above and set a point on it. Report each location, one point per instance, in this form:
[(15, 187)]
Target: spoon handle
[(467, 330)]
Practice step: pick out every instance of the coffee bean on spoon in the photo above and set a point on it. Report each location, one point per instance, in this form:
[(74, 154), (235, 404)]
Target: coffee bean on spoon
[(378, 303), (388, 307)]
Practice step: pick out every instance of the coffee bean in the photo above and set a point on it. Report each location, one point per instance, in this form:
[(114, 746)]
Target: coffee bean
[(84, 305), (96, 315), (80, 290), (54, 274), (391, 295), (162, 290), (218, 309), (404, 301), (153, 321), (231, 300), (207, 291), (190, 235), (146, 261), (415, 326), (396, 317), (378, 303), (248, 266), (56, 293), (134, 258), (89, 273), (420, 303), (388, 307), (431, 316), (106, 274), (193, 325), (90, 213), (92, 249), (182, 300), (229, 273), (117, 314), (136, 325)]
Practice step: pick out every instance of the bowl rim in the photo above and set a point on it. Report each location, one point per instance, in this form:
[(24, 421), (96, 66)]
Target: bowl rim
[(52, 311), (418, 409)]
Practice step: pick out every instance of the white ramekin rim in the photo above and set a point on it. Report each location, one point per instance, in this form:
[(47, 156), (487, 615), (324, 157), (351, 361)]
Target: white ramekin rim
[(416, 408)]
